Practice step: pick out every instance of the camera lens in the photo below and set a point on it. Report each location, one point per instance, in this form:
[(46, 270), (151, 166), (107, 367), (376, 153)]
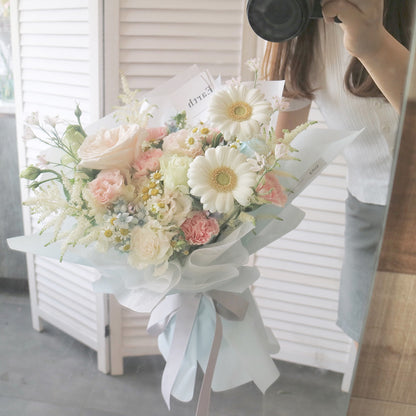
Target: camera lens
[(278, 20)]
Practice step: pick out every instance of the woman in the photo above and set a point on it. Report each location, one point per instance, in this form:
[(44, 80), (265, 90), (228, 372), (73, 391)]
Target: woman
[(355, 71)]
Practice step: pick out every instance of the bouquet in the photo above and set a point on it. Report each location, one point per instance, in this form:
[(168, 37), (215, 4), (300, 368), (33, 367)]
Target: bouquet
[(168, 197)]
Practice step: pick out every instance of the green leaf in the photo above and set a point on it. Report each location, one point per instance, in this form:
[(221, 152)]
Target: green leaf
[(217, 140)]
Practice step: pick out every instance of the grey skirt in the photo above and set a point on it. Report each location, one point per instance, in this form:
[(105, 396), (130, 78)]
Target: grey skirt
[(363, 233)]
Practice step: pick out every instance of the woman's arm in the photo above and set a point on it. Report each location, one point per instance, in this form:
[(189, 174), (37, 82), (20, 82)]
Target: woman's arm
[(365, 37), (291, 119)]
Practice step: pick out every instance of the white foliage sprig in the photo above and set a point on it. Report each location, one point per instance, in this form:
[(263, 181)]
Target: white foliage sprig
[(134, 110), (55, 206)]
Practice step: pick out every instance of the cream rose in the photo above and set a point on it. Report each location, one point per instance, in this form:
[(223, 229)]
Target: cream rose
[(112, 148), (175, 172), (150, 245), (172, 207)]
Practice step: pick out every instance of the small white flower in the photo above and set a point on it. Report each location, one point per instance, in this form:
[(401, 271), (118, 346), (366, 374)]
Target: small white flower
[(258, 163), (233, 81), (281, 103), (42, 161), (239, 111), (52, 121), (28, 133), (220, 177), (33, 119), (253, 64), (254, 166)]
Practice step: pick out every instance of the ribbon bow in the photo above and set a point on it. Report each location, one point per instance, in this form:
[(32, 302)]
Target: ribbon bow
[(229, 305)]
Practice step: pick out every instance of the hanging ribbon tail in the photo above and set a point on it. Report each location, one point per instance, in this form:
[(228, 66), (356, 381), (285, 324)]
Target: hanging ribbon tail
[(185, 309), (231, 306), (205, 393), (162, 314)]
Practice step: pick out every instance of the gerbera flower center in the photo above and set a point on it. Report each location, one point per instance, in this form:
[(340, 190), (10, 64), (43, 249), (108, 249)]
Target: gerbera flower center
[(223, 179), (240, 111)]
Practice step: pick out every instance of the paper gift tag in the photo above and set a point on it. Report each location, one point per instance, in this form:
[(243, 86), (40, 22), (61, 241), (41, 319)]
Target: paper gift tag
[(193, 97)]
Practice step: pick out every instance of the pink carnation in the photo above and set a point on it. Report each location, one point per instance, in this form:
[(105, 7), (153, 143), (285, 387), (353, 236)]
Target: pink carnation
[(107, 186), (199, 229), (147, 162), (272, 191)]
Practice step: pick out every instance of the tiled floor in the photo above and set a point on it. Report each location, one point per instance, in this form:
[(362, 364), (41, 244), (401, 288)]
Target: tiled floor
[(50, 374)]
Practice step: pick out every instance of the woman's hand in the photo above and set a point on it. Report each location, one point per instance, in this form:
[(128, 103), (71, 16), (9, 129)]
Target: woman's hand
[(365, 37), (362, 22)]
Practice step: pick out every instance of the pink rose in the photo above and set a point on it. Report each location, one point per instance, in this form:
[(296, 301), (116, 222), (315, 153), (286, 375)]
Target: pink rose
[(156, 133), (112, 148), (107, 186), (183, 143), (147, 162), (199, 229), (210, 136), (271, 190)]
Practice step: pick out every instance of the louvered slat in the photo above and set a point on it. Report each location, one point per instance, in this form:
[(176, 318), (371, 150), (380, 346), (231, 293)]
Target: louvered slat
[(160, 39), (297, 278), (54, 42), (182, 5), (135, 339)]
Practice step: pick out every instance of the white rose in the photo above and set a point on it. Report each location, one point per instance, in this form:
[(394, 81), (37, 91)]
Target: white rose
[(150, 245), (181, 208), (112, 148), (176, 207), (175, 172)]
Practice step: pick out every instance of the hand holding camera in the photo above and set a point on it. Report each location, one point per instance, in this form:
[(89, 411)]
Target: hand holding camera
[(364, 32), (281, 20)]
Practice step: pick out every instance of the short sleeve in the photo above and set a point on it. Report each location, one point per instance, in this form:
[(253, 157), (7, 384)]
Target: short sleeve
[(294, 104)]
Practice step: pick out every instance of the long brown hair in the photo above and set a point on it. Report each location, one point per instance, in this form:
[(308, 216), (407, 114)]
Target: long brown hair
[(292, 60)]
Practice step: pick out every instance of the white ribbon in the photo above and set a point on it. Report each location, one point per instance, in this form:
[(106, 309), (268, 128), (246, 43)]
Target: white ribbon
[(231, 306)]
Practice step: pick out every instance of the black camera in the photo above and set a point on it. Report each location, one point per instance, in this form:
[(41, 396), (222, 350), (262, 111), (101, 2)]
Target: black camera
[(280, 20)]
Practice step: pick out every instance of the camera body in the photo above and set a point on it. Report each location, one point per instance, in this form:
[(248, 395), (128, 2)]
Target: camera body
[(280, 20)]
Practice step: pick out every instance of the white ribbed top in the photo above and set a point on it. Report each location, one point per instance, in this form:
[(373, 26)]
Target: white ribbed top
[(369, 158)]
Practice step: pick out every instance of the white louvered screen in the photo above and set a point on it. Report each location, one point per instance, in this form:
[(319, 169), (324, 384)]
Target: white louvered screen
[(66, 299), (54, 70), (128, 336), (160, 38), (55, 63)]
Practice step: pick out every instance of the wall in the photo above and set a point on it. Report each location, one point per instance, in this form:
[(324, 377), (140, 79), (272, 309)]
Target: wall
[(12, 264)]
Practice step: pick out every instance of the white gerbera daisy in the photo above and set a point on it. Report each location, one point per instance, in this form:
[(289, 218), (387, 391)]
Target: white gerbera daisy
[(221, 176), (239, 111)]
